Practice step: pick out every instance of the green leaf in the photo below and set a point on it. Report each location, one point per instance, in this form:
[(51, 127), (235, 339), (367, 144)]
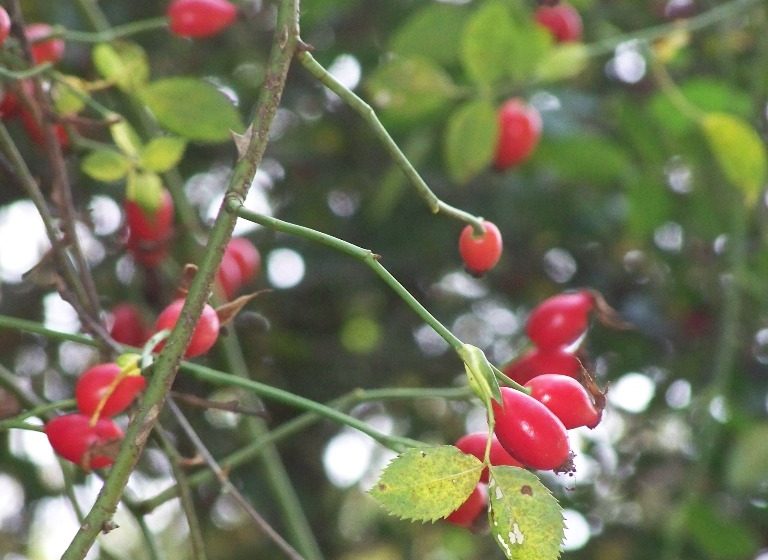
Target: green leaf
[(738, 150), (562, 62), (526, 520), (427, 483), (125, 137), (192, 108), (106, 165), (480, 374), (162, 154), (487, 42), (470, 139), (747, 464), (410, 89), (146, 189), (431, 33), (123, 63), (585, 158), (717, 535), (68, 94)]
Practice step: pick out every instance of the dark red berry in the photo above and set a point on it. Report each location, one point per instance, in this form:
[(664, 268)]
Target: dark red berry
[(204, 334), (474, 444), (91, 446), (529, 431), (229, 276), (467, 513), (519, 133), (560, 320), (5, 25), (103, 382), (246, 255), (563, 21), (35, 132), (149, 232), (127, 325), (49, 50), (482, 252), (566, 398), (200, 18), (538, 361)]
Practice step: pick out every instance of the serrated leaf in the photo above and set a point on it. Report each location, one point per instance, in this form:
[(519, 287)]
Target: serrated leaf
[(106, 165), (122, 62), (125, 137), (408, 89), (431, 33), (470, 139), (146, 189), (487, 42), (525, 518), (426, 484), (563, 61), (480, 374), (738, 150), (162, 154), (192, 108)]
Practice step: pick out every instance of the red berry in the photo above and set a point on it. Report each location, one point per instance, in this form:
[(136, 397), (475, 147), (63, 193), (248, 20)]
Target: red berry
[(246, 255), (466, 514), (73, 438), (204, 334), (480, 253), (50, 50), (5, 25), (35, 131), (98, 382), (229, 276), (560, 320), (127, 325), (519, 133), (200, 18), (529, 431), (537, 361), (149, 233), (566, 398), (474, 444), (563, 21)]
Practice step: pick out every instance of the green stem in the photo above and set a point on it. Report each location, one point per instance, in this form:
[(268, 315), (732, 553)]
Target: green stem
[(41, 411), (364, 255), (369, 116), (109, 34), (26, 73), (93, 14)]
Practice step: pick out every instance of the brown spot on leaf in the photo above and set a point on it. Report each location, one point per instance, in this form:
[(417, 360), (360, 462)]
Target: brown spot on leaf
[(526, 490)]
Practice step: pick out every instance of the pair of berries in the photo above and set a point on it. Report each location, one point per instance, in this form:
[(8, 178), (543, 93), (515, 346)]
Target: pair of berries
[(90, 438)]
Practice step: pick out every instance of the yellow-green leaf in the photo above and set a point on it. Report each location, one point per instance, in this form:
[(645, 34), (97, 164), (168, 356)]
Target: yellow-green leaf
[(470, 139), (426, 484), (68, 95), (487, 42), (162, 154), (122, 62), (193, 109), (738, 150), (105, 165), (146, 189), (562, 61), (126, 138), (480, 375), (526, 520)]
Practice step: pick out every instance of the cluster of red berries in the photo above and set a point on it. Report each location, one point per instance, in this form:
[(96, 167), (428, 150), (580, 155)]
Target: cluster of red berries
[(530, 427)]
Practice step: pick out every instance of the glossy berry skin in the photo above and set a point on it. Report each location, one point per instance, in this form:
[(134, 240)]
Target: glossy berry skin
[(566, 398), (50, 50), (240, 263), (466, 514), (74, 439), (480, 253), (519, 133), (200, 18), (563, 21), (560, 320), (474, 444), (5, 25), (537, 361), (529, 431), (127, 325), (97, 382), (149, 233), (204, 334), (229, 277)]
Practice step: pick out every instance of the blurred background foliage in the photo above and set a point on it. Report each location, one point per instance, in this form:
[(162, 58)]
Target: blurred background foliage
[(623, 195)]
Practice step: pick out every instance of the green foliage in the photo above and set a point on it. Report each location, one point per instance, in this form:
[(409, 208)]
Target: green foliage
[(426, 484), (144, 188), (106, 165), (488, 43), (123, 63), (162, 154), (526, 520), (192, 108), (747, 465), (432, 33), (717, 535), (470, 139), (480, 374)]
